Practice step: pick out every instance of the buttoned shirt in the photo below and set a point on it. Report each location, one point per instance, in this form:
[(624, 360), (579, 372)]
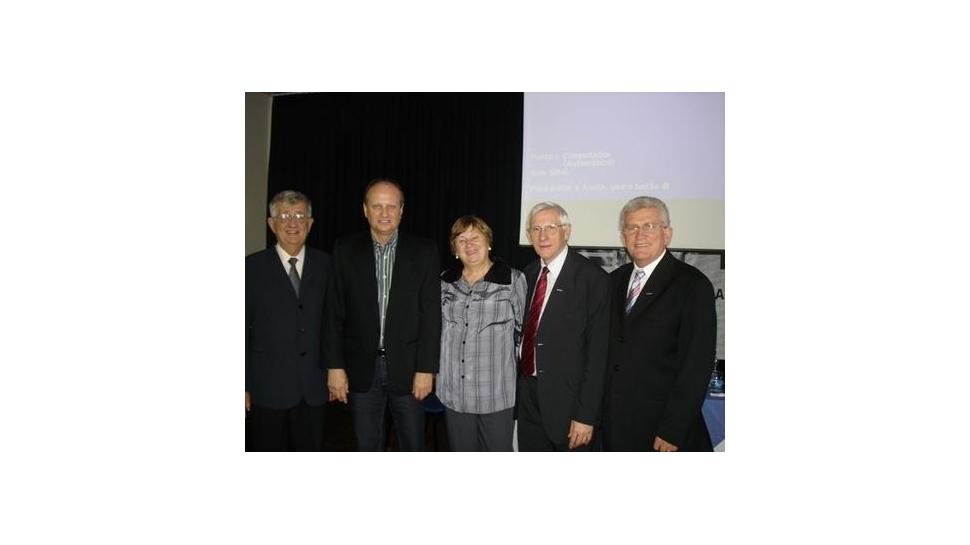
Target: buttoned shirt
[(647, 271), (480, 328), (285, 259), (384, 264), (555, 267)]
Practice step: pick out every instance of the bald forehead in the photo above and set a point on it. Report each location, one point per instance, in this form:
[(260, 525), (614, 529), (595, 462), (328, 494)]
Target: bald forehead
[(383, 190)]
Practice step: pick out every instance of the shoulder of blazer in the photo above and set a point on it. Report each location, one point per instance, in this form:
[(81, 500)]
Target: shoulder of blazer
[(317, 260), (678, 269), (580, 265), (621, 275), (413, 243), (356, 240), (671, 272), (261, 259)]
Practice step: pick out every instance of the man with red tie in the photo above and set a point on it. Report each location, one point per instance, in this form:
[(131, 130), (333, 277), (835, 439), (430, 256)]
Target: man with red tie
[(563, 350), (663, 331)]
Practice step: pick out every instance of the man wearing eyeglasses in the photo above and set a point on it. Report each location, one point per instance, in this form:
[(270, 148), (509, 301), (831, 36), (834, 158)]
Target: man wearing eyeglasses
[(563, 348), (663, 330), (286, 288)]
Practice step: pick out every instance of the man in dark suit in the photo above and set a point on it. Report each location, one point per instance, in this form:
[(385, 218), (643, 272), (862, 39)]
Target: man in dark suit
[(384, 323), (563, 350), (663, 330), (286, 289)]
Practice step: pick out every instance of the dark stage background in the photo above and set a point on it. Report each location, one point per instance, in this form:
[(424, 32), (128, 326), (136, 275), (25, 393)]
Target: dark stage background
[(454, 154)]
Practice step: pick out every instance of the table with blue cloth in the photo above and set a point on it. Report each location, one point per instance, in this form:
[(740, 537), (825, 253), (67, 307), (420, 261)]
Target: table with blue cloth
[(713, 410)]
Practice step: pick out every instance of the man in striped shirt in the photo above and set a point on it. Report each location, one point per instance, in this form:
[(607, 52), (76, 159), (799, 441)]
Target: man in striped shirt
[(384, 354)]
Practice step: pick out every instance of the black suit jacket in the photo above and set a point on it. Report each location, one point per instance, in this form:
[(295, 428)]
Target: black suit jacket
[(571, 345), (283, 333), (412, 326), (660, 359)]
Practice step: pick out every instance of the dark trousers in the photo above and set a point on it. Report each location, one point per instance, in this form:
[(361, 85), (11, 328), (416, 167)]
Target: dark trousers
[(299, 429), (532, 434), (480, 432), (367, 410)]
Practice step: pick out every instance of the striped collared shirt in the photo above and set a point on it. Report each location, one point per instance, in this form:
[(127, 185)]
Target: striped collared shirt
[(384, 262), (480, 327)]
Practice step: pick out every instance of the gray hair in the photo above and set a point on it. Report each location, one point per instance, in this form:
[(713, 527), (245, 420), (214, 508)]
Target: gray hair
[(563, 216), (289, 196), (637, 203)]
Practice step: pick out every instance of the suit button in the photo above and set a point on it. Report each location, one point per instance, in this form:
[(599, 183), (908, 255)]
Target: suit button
[(302, 330), (300, 306), (621, 339), (616, 367), (463, 376), (302, 354)]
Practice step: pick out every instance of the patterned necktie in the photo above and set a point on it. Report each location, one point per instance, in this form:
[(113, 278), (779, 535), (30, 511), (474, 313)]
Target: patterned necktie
[(294, 276), (528, 365), (634, 291)]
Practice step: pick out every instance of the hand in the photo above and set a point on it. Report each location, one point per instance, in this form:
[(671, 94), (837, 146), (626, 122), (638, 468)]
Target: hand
[(579, 434), (337, 384), (660, 445), (248, 402), (422, 385)]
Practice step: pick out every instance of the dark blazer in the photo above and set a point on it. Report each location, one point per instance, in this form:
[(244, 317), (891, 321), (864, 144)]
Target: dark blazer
[(571, 345), (412, 327), (283, 334), (660, 359)]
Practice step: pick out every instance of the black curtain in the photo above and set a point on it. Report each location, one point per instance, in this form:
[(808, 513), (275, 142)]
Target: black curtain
[(453, 153)]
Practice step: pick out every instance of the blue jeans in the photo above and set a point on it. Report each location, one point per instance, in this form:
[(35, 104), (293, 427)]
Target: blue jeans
[(367, 410)]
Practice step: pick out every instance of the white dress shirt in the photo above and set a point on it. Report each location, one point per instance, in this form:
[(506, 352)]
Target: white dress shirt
[(647, 271), (285, 259)]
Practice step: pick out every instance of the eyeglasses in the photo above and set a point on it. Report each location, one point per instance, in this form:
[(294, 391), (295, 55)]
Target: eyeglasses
[(631, 229), (547, 229), (286, 216)]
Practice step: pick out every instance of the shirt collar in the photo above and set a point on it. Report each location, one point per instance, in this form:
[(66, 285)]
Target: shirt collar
[(286, 257), (392, 243)]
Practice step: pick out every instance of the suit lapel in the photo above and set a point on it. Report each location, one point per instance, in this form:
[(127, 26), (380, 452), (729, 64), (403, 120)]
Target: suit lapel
[(531, 277), (561, 290), (281, 272), (310, 272), (402, 264), (620, 289), (365, 267)]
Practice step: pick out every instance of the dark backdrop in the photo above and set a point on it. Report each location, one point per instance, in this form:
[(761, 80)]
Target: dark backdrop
[(453, 153)]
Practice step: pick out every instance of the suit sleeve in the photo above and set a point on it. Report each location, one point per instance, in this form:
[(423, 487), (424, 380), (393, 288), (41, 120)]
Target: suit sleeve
[(696, 347), (328, 282), (429, 313), (596, 337), (333, 337), (249, 325), (518, 304)]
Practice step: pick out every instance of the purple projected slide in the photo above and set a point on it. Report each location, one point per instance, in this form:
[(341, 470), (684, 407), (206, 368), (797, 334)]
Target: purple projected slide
[(615, 146), (592, 152)]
